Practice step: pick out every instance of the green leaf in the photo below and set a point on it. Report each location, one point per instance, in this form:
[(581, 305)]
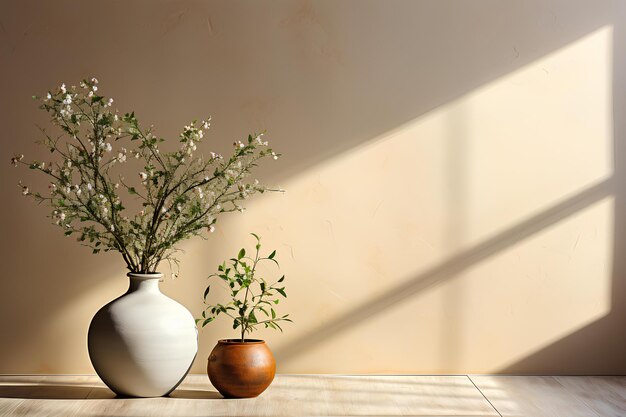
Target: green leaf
[(207, 321), (282, 291), (272, 255), (281, 279), (256, 236), (206, 292), (273, 314), (241, 254)]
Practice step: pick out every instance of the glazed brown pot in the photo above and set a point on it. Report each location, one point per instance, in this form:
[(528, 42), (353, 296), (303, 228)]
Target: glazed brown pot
[(241, 369)]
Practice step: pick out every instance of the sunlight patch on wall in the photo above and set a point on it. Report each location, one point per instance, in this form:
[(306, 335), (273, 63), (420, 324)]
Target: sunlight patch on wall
[(353, 229)]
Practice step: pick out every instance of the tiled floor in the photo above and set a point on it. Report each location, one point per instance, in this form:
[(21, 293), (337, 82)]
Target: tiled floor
[(297, 395)]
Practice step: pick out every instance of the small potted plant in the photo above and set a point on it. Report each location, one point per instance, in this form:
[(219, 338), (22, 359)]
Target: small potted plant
[(241, 367), (142, 343)]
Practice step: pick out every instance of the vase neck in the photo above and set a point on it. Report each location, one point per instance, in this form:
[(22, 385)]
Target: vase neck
[(144, 282)]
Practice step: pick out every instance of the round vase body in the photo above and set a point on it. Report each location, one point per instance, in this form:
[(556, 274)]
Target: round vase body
[(241, 369), (143, 343)]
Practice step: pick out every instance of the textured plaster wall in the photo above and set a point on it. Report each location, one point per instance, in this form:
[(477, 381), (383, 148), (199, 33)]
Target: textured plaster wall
[(453, 173)]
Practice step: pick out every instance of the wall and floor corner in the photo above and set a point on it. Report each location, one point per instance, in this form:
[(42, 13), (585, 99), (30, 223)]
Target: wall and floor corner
[(454, 172)]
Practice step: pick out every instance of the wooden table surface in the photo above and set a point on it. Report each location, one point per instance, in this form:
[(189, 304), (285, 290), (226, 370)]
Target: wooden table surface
[(300, 395)]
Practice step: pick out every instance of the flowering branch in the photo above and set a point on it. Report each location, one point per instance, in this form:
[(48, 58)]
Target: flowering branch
[(181, 194)]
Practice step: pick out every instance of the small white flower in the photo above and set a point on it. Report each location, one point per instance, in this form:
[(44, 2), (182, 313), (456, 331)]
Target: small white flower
[(89, 186), (211, 228), (110, 102), (94, 81), (68, 99), (25, 190), (143, 176), (63, 89), (108, 147), (48, 96), (61, 216), (116, 117), (179, 208), (112, 228), (274, 155), (163, 209), (90, 94), (52, 186), (94, 88)]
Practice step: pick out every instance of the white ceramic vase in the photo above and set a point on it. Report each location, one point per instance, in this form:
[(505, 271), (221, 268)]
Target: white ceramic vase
[(143, 343)]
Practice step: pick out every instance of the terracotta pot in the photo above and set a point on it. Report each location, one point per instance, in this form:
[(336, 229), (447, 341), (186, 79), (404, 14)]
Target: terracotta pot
[(241, 369)]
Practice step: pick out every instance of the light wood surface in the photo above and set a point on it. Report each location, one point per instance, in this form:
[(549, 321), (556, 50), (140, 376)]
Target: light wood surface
[(297, 395), (547, 396)]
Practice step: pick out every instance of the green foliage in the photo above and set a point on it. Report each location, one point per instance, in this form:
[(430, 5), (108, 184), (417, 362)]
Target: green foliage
[(252, 297), (181, 193)]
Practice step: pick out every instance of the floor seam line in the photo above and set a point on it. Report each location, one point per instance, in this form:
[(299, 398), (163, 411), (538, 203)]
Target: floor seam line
[(575, 395), (484, 396)]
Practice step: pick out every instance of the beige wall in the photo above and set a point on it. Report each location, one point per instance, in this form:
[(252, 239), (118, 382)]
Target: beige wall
[(454, 175)]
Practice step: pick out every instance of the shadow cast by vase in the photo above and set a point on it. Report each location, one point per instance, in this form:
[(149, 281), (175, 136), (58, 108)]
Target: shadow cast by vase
[(54, 392), (74, 392)]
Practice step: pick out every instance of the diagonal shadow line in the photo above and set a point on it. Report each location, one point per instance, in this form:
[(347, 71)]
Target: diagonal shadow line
[(448, 269)]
